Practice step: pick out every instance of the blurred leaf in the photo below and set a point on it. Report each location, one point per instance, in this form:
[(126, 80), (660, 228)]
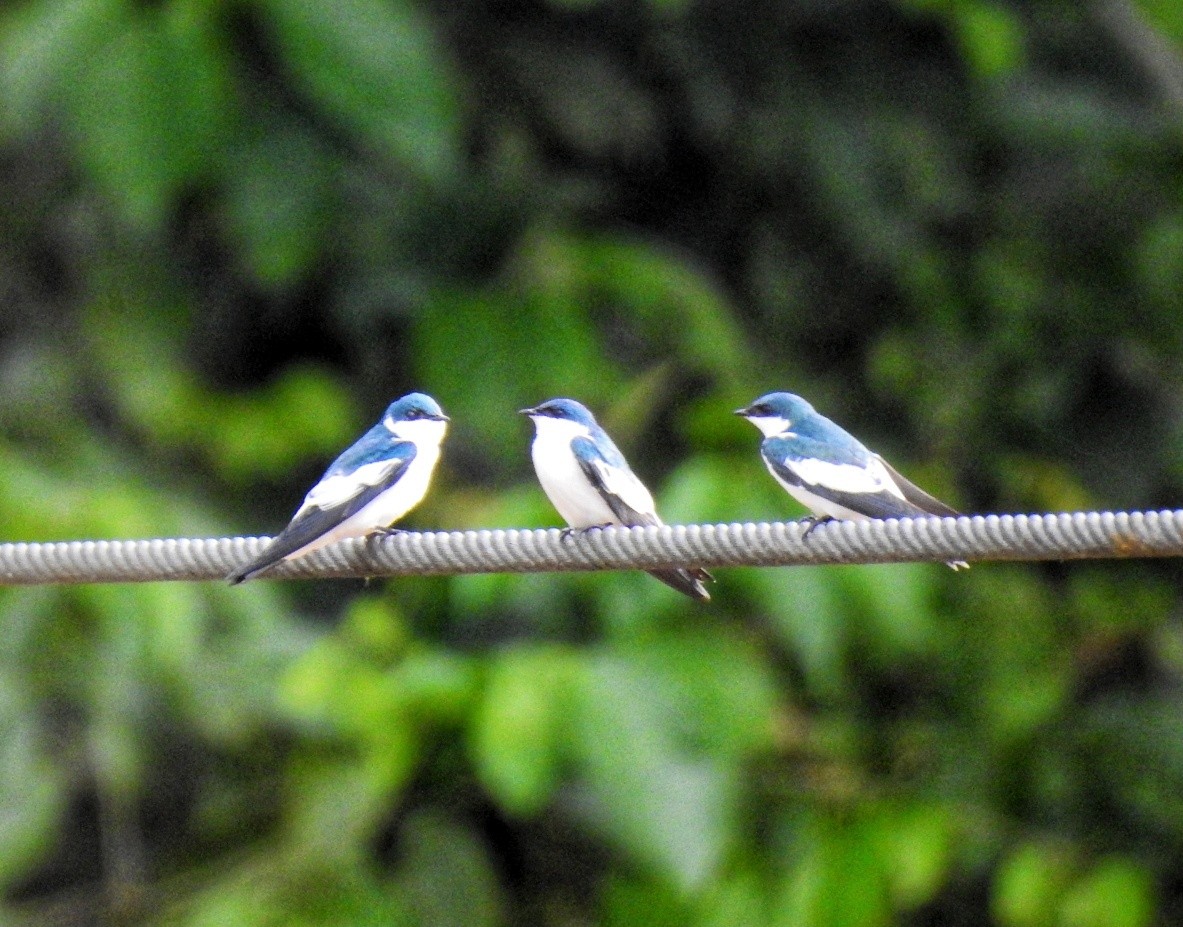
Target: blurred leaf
[(1133, 741), (659, 289), (436, 685), (1115, 893), (377, 67), (1030, 885), (268, 891), (803, 606), (32, 790), (1165, 16), (735, 901), (46, 46), (515, 733), (894, 605), (723, 686), (446, 874), (671, 809), (916, 845), (990, 35), (635, 903), (837, 882), (150, 112), (336, 803), (522, 349), (279, 202)]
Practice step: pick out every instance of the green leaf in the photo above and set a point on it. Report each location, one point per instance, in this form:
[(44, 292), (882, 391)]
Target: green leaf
[(522, 347), (1117, 892), (633, 902), (894, 605), (805, 608), (734, 901), (374, 64), (336, 800), (1166, 16), (151, 112), (1030, 885), (669, 300), (46, 46), (916, 845), (838, 881), (672, 809), (32, 796), (515, 731), (991, 37), (446, 874), (723, 685), (279, 202)]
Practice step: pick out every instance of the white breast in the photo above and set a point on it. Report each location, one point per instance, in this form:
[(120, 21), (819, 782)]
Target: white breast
[(389, 506), (562, 478)]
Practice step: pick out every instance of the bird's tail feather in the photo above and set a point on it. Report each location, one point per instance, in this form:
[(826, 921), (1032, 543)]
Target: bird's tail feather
[(249, 571), (687, 581)]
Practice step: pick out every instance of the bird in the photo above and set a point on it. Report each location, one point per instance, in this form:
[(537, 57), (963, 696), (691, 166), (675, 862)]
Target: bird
[(829, 471), (590, 483), (375, 482)]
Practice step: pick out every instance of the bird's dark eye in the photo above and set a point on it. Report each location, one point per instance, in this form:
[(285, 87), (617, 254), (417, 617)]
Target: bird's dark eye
[(413, 414), (762, 409)]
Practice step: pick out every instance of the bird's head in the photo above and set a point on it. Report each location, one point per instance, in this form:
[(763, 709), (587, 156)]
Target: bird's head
[(573, 415), (776, 413), (414, 417)]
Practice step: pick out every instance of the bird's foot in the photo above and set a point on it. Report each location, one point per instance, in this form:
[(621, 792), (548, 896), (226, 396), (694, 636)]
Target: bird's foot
[(378, 534), (567, 533), (813, 521)]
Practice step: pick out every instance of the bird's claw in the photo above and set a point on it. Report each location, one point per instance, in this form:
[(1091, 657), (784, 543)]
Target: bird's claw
[(813, 521), (567, 533)]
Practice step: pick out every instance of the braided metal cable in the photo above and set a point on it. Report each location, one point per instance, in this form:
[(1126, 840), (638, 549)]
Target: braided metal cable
[(1070, 536)]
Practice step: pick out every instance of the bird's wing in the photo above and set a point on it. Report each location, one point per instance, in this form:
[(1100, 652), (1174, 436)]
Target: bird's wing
[(632, 503), (860, 482), (916, 495), (626, 495), (331, 501)]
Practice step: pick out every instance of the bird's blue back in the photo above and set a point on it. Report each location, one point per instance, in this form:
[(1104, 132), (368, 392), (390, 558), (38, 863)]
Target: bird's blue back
[(376, 445), (816, 437)]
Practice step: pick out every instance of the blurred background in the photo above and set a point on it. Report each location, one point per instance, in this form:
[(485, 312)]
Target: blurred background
[(233, 231)]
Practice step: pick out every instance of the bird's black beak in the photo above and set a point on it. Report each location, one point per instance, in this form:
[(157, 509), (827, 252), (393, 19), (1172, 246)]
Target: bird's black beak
[(743, 412), (441, 418), (526, 411)]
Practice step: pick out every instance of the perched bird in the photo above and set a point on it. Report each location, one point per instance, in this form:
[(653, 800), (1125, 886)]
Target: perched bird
[(829, 471), (371, 485), (588, 480)]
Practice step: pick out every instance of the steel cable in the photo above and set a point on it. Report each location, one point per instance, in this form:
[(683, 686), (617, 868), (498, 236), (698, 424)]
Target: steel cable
[(1069, 536)]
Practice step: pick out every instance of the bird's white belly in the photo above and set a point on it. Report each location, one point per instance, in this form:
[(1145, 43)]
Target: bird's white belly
[(386, 508), (566, 485)]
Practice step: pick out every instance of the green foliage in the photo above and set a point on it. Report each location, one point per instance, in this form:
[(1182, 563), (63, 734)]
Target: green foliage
[(376, 67), (234, 231)]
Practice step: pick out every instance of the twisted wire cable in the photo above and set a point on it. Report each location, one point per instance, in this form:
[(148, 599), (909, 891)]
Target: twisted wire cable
[(1068, 536)]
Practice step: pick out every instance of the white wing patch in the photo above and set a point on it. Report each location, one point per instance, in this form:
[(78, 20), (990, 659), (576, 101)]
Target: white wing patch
[(845, 478), (625, 485), (337, 490)]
